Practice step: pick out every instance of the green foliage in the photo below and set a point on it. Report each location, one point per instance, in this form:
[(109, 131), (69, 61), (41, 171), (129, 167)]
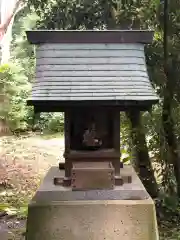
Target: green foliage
[(56, 123), (22, 53), (94, 14), (125, 136), (14, 90), (51, 122), (23, 57), (9, 210), (100, 14)]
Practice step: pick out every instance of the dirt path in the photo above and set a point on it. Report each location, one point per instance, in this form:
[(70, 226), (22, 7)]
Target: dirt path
[(33, 153), (23, 163)]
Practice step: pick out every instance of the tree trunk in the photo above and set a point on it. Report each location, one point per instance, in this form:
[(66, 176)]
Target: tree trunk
[(171, 74), (168, 121), (142, 162), (8, 10), (168, 125)]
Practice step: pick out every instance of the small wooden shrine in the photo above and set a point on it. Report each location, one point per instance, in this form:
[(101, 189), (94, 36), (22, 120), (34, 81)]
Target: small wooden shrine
[(91, 76)]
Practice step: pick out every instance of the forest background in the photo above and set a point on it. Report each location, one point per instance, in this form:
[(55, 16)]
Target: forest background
[(149, 139)]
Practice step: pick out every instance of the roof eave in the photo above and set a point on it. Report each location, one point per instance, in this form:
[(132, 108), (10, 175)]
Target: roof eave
[(50, 105), (90, 36)]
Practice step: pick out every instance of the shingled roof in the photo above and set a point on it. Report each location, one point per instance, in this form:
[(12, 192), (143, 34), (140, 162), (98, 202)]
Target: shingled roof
[(70, 69)]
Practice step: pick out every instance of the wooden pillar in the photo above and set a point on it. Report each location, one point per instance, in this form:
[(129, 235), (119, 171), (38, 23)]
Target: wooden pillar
[(116, 139), (67, 125)]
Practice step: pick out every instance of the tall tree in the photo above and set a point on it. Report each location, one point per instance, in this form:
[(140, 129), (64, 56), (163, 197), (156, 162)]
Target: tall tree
[(8, 10), (171, 67)]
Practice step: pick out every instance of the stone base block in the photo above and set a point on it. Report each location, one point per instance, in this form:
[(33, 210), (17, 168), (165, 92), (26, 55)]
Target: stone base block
[(58, 213), (93, 220)]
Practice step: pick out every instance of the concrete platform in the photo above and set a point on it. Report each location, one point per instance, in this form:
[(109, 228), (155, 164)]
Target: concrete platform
[(58, 213)]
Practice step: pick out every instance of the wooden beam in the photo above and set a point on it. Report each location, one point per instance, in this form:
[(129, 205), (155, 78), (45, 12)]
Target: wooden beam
[(90, 36), (67, 137), (61, 106)]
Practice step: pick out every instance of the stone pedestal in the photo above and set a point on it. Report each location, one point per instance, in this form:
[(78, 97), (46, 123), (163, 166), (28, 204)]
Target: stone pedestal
[(58, 213)]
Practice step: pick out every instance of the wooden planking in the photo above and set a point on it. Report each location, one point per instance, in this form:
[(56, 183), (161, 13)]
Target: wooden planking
[(91, 73), (101, 46), (90, 61), (92, 79), (86, 85), (64, 85), (93, 98), (92, 91), (88, 53), (118, 94), (87, 67), (92, 87)]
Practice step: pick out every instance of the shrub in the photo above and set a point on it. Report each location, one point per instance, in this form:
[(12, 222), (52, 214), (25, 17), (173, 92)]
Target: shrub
[(14, 89)]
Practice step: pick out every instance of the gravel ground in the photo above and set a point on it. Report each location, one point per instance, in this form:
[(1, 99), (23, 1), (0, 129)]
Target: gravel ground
[(23, 163)]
